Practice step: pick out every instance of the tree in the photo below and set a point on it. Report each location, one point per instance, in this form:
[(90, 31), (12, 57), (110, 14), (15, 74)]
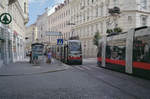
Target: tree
[(96, 38)]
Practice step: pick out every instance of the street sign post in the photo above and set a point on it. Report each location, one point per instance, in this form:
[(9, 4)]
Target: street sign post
[(60, 41)]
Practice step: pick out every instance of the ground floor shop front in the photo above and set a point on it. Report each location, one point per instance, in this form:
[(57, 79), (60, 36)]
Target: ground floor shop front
[(5, 46), (11, 46)]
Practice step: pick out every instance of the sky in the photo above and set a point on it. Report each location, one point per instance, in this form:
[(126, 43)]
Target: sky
[(37, 7)]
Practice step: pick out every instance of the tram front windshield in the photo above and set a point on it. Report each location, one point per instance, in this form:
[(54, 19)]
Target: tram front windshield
[(37, 47), (75, 46)]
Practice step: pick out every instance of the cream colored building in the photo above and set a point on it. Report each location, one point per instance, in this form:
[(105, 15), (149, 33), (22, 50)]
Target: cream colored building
[(12, 49), (58, 21), (42, 26), (19, 12), (31, 36), (54, 19), (91, 16), (3, 49)]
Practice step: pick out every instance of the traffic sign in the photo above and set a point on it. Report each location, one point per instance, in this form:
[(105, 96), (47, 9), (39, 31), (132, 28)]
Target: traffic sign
[(59, 41), (5, 18)]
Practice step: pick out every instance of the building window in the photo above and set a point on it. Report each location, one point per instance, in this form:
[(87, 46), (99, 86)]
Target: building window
[(25, 7), (130, 19), (101, 27), (88, 2), (96, 11), (143, 20), (92, 1), (115, 2), (144, 4), (102, 10)]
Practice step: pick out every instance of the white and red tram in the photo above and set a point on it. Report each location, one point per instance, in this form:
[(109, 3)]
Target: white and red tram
[(127, 52)]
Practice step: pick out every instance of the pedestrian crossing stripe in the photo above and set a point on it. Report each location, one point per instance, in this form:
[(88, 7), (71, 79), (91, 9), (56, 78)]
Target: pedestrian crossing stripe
[(80, 68)]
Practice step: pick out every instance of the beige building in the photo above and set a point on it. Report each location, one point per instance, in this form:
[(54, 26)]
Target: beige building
[(42, 27), (19, 12), (58, 21), (54, 19), (86, 17), (31, 36), (91, 16), (12, 49)]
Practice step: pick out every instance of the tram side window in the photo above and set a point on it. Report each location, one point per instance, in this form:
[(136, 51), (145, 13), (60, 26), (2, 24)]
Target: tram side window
[(141, 49), (116, 50)]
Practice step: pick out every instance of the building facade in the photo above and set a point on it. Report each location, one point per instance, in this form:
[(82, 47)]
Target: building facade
[(12, 35), (54, 19), (31, 36), (19, 11), (83, 18), (90, 16), (42, 26), (58, 21)]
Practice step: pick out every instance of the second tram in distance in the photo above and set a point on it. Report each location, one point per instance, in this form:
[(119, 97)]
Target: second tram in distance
[(70, 52)]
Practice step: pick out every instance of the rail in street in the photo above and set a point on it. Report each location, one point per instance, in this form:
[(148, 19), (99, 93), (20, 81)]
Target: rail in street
[(87, 81)]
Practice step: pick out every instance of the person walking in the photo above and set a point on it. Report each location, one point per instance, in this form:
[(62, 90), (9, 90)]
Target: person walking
[(49, 56), (30, 55)]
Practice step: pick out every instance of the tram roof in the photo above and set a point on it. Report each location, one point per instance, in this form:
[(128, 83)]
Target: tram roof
[(140, 31), (74, 41), (37, 44)]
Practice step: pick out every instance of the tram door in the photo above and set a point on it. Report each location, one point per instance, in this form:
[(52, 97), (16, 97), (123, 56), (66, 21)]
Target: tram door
[(141, 55), (115, 54)]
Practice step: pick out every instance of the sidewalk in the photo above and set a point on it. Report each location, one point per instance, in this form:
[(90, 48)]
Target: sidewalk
[(25, 68), (90, 60)]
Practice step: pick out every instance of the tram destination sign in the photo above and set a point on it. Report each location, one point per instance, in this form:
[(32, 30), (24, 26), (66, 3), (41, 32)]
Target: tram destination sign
[(52, 33)]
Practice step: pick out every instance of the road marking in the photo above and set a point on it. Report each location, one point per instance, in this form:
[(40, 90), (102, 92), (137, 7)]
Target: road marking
[(37, 67), (86, 68), (95, 67), (80, 68)]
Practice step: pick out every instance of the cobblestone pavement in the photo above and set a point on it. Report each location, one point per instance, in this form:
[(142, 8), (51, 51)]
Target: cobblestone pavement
[(85, 81)]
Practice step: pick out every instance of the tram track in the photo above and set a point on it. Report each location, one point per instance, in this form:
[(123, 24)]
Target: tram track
[(109, 84)]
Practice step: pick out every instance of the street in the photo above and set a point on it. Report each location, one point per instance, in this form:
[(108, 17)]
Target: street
[(59, 81)]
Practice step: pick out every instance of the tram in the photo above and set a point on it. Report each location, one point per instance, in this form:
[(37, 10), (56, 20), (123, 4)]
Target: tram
[(127, 52), (37, 52), (70, 52)]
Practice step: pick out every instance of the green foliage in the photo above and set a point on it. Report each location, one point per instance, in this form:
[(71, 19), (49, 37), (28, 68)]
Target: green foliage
[(96, 38), (116, 30), (109, 31)]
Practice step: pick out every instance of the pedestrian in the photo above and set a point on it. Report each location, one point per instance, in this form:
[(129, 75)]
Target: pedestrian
[(30, 55), (49, 55)]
